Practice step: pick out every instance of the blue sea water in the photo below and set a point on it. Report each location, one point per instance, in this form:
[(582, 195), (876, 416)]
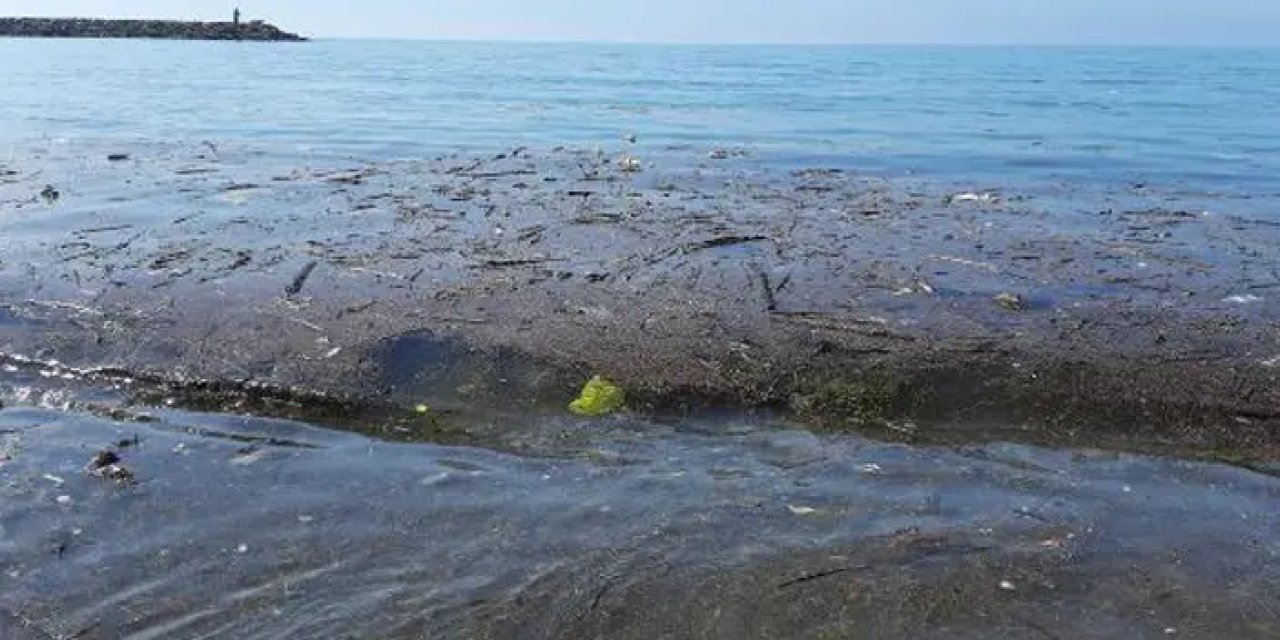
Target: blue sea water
[(308, 532), (1202, 118)]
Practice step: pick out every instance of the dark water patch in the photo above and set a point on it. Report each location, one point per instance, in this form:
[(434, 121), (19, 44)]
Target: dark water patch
[(8, 318), (446, 369), (1033, 302)]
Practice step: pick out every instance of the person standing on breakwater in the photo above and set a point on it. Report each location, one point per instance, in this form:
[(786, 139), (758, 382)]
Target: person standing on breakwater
[(235, 18)]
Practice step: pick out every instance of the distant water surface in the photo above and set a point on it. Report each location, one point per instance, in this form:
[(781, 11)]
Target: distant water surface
[(1202, 118), (248, 527)]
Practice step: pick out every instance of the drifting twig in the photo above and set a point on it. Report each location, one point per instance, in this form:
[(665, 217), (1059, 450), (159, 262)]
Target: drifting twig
[(300, 280)]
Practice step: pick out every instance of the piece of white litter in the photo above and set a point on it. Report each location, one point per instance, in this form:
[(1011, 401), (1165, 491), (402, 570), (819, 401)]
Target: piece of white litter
[(242, 549), (64, 500), (1271, 362), (236, 198), (972, 197), (436, 479), (872, 469), (249, 458), (305, 519), (54, 479), (1127, 489), (1247, 298), (802, 511), (1007, 586), (968, 263)]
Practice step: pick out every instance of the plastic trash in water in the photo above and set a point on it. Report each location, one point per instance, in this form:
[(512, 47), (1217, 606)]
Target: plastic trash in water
[(1247, 298), (599, 397), (983, 198), (1011, 302)]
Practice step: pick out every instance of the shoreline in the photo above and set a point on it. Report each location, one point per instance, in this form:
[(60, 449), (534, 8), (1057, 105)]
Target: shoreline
[(836, 301), (254, 31)]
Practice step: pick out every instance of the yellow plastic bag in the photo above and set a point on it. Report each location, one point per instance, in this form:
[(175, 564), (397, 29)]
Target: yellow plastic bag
[(599, 397)]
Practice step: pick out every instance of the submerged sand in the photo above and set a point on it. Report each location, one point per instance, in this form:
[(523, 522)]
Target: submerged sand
[(1135, 317)]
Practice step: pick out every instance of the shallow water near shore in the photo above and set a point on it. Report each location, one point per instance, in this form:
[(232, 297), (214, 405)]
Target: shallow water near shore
[(511, 519), (518, 523), (255, 528)]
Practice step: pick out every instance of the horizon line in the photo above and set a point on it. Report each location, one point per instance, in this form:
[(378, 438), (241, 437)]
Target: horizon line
[(698, 43), (795, 43)]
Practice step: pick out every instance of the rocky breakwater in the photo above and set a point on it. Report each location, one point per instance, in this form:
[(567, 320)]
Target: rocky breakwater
[(166, 29)]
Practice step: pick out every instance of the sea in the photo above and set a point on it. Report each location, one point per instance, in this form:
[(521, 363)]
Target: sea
[(250, 526), (1199, 118)]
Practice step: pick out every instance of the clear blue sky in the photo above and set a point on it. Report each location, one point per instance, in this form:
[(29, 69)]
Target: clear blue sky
[(1231, 22)]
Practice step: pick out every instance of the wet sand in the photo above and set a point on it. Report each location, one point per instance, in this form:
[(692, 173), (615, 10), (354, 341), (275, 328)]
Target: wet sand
[(1143, 318), (776, 332)]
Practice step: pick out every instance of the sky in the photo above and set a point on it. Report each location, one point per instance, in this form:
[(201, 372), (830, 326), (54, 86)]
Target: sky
[(1139, 22)]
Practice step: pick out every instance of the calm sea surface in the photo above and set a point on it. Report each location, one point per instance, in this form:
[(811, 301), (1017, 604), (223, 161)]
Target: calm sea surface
[(249, 527), (1201, 118)]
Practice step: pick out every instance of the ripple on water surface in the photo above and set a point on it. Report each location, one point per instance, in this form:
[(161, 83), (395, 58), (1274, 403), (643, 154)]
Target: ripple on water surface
[(256, 528)]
